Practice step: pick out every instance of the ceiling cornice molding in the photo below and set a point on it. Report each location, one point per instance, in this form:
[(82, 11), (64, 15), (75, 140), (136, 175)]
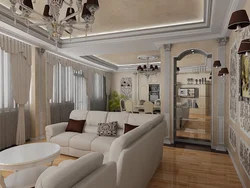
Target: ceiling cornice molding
[(100, 62), (6, 16)]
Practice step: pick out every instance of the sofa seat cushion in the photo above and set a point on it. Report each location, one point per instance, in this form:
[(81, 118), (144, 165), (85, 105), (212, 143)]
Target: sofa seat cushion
[(63, 138), (82, 141), (105, 157), (102, 144)]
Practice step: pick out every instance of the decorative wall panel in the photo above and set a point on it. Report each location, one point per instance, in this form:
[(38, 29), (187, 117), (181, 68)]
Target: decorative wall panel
[(244, 155), (245, 117), (126, 86), (234, 63), (232, 138)]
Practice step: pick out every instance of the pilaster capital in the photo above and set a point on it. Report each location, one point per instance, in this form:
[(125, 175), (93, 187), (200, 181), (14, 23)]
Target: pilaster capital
[(167, 47), (222, 41), (40, 51)]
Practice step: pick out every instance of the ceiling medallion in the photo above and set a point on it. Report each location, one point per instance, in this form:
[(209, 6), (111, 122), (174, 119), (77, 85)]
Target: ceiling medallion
[(147, 69), (50, 16)]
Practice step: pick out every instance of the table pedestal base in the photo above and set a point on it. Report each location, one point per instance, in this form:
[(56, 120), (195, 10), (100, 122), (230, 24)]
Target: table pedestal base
[(24, 178)]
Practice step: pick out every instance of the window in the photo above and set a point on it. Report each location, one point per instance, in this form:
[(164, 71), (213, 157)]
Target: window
[(99, 86), (69, 86), (6, 99)]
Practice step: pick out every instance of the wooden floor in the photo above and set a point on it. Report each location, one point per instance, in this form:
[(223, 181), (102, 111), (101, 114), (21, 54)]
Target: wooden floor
[(198, 127), (185, 168)]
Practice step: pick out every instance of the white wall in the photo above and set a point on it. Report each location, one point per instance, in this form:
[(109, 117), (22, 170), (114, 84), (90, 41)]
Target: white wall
[(139, 87)]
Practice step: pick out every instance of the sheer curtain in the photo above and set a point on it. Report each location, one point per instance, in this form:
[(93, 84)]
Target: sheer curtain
[(69, 92), (99, 101), (8, 110)]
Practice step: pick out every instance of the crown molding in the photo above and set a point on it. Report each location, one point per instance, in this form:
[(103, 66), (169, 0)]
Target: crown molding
[(100, 62), (6, 17)]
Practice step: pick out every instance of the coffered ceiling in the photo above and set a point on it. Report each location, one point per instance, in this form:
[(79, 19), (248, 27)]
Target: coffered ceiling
[(129, 58), (126, 15), (124, 29)]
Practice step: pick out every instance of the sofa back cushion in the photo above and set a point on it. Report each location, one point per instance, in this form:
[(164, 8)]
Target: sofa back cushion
[(93, 118), (78, 114), (140, 119), (121, 118), (66, 176)]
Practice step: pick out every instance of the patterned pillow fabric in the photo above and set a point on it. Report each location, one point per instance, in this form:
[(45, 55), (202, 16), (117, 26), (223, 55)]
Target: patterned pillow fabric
[(107, 129)]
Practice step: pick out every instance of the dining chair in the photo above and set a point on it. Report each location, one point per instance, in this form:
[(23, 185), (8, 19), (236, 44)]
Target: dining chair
[(122, 105), (129, 106), (148, 107)]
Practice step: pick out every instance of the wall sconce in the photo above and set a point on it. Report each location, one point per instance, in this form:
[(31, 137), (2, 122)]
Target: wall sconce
[(244, 47), (217, 64), (239, 19), (223, 72)]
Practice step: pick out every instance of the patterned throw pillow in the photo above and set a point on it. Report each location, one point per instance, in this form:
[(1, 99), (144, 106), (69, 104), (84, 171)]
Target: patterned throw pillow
[(107, 129)]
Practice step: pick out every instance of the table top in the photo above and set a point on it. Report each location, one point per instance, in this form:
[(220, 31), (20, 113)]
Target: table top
[(28, 155)]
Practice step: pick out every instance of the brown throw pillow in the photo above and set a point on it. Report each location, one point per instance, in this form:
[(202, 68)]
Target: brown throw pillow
[(129, 127), (75, 126)]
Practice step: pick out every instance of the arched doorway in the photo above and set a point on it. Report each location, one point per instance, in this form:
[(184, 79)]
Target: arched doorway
[(193, 97)]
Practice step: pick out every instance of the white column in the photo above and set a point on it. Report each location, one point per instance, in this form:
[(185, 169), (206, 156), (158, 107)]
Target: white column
[(166, 88), (221, 95)]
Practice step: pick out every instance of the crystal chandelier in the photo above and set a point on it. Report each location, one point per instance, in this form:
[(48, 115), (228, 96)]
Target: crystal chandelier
[(50, 16), (147, 69)]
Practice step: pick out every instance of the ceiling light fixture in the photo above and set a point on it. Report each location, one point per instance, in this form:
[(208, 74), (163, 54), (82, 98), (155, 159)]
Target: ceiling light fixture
[(50, 17), (147, 69)]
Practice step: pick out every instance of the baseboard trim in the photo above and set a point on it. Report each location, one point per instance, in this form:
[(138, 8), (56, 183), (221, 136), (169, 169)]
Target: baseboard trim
[(38, 138), (220, 148), (167, 141), (237, 170)]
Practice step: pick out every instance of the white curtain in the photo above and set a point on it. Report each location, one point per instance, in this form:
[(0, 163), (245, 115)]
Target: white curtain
[(90, 85), (108, 87), (51, 62), (21, 76)]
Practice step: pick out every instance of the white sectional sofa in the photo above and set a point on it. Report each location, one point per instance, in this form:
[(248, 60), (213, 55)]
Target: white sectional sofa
[(137, 153), (85, 172)]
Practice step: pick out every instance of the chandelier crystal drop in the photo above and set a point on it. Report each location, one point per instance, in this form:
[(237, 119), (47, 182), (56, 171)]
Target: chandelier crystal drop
[(80, 19), (148, 69)]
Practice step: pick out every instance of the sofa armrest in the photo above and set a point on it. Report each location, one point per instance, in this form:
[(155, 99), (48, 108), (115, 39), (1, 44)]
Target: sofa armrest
[(55, 129)]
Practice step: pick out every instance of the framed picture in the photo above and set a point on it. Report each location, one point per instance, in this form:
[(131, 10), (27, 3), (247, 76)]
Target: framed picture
[(245, 78)]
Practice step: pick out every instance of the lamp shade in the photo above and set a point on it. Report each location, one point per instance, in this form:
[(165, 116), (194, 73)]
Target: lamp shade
[(238, 18), (86, 14), (224, 71), (220, 74), (46, 11), (69, 12), (92, 5), (28, 3), (139, 68), (244, 47), (217, 64)]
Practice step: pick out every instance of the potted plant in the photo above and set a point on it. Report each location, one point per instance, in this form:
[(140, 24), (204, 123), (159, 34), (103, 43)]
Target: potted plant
[(114, 102)]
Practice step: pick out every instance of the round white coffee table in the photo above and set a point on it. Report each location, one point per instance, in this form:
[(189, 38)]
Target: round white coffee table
[(27, 162)]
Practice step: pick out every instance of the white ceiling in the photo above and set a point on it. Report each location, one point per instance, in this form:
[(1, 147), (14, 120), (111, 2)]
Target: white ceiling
[(209, 20), (119, 16)]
